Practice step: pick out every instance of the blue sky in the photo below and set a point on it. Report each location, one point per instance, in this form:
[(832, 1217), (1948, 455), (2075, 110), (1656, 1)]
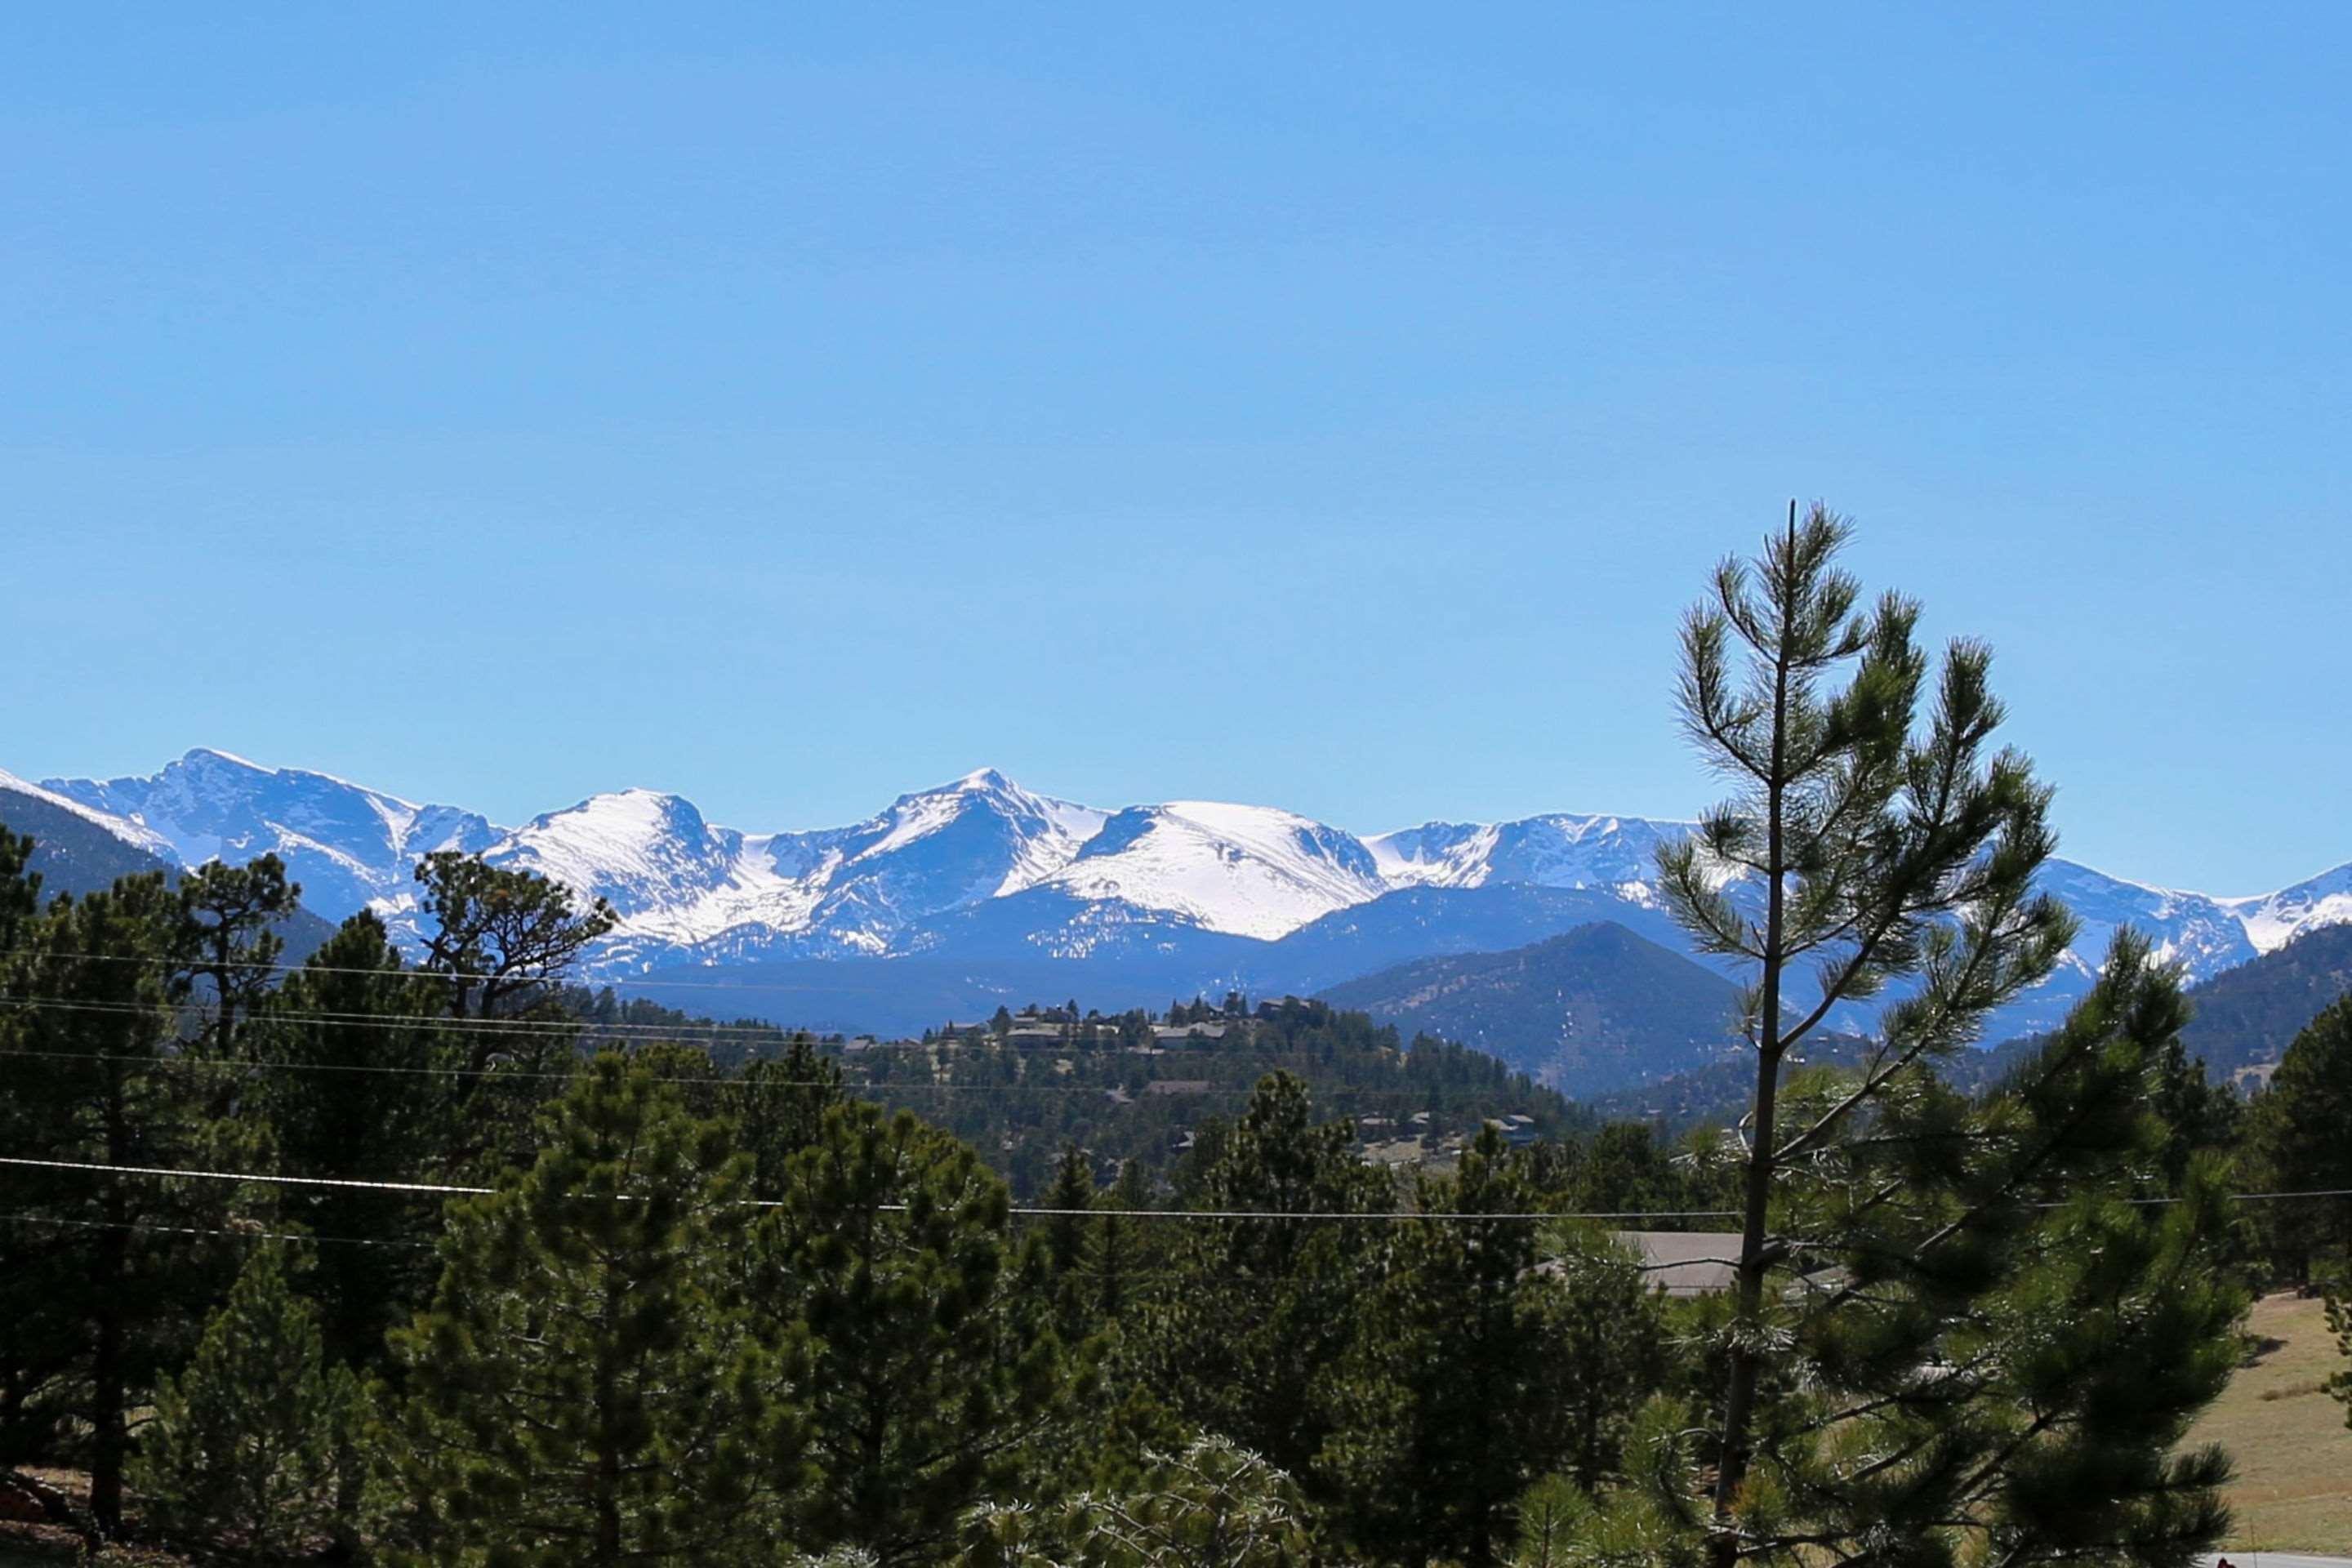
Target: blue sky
[(1330, 406)]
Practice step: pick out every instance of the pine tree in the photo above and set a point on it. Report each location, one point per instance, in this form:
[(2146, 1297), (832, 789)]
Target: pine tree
[(1551, 1513), (361, 1097), (1259, 1312), (2301, 1144), (780, 1104), (20, 895), (1121, 1248), (1213, 1504), (500, 937), (1917, 1350), (1475, 1372), (248, 1445), (227, 914), (107, 1289), (2201, 1117), (585, 1389), (933, 1365), (1072, 1195)]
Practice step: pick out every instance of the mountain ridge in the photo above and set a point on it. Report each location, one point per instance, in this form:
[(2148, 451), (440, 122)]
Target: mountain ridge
[(983, 869)]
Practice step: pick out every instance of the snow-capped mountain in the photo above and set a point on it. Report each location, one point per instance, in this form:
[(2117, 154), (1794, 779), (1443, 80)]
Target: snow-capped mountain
[(349, 846), (680, 884), (2274, 920), (984, 871), (1249, 870), (1557, 851)]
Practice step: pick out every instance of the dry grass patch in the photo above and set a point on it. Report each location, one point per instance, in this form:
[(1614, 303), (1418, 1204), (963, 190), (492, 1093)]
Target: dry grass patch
[(2294, 1490)]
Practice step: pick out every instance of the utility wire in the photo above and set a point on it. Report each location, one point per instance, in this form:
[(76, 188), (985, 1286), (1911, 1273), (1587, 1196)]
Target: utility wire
[(443, 1189), (239, 1233), (1388, 1216), (682, 1034), (1138, 1276), (850, 1087), (206, 965)]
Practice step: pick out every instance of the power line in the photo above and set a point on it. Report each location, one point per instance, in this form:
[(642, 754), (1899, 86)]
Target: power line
[(403, 973), (1220, 1280), (236, 1234), (101, 1169), (851, 1088), (1390, 1216), (446, 1190)]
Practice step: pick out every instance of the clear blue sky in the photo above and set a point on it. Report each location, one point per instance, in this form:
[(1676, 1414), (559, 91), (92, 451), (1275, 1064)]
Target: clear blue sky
[(1326, 406)]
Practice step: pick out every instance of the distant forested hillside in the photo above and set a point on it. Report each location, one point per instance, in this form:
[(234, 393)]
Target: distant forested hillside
[(1143, 1087), (1594, 1010), (2245, 1016)]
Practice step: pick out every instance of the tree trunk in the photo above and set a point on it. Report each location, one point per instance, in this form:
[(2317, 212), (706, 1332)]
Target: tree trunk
[(1740, 1395), (110, 1419), (607, 1483)]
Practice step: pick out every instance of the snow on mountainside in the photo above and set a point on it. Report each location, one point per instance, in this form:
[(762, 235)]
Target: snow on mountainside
[(122, 827), (1557, 851), (982, 836), (2274, 920), (681, 884), (1247, 870), (982, 869), (672, 878), (349, 846), (2195, 932)]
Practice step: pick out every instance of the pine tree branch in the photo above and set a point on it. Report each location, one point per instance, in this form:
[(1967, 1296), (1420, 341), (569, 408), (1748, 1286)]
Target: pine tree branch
[(1877, 1080)]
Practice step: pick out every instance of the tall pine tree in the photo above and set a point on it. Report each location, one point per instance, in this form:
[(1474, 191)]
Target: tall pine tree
[(106, 1289), (1917, 1349), (1481, 1364), (2302, 1142), (1258, 1313), (934, 1367), (585, 1389), (253, 1443), (359, 1094)]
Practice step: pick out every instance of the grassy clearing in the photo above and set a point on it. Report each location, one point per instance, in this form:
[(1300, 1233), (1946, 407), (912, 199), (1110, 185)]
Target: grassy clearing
[(2294, 1492)]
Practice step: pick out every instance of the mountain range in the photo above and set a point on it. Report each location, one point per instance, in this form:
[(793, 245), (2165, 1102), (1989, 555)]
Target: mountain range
[(981, 891)]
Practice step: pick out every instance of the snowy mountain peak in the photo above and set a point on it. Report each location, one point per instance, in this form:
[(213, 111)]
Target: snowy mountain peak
[(213, 756), (642, 850), (2274, 920), (350, 846), (1247, 869), (1559, 850)]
